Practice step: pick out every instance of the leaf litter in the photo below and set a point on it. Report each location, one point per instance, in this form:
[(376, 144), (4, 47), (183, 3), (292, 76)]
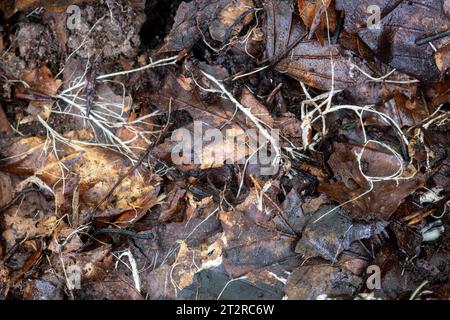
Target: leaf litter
[(93, 205)]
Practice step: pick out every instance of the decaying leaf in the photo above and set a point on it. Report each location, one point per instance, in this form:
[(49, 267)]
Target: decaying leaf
[(221, 19), (41, 81), (333, 234), (36, 289), (219, 114), (442, 58), (317, 14), (252, 240), (386, 196), (393, 38), (308, 61), (9, 7), (92, 170), (321, 282)]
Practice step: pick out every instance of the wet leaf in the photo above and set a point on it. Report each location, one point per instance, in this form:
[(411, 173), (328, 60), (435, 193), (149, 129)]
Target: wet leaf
[(402, 24), (231, 19), (174, 205), (252, 241), (20, 221), (315, 14), (76, 202), (219, 114), (385, 197), (9, 7), (41, 81), (442, 58)]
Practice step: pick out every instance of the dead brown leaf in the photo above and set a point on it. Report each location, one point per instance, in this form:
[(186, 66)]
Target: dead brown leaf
[(442, 58), (308, 61), (314, 16), (93, 170), (252, 241), (42, 81), (402, 23), (385, 197), (219, 114), (222, 19), (321, 282)]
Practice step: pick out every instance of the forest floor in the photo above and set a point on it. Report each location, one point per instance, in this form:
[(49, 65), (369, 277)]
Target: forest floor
[(341, 187)]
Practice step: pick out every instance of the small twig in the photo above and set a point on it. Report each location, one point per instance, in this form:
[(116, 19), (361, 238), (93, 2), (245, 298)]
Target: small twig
[(434, 37), (125, 232)]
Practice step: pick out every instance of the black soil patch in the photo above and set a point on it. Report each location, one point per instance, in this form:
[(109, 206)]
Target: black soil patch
[(160, 17)]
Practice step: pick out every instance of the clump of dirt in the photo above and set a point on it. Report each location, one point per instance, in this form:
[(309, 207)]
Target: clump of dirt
[(37, 45), (107, 31)]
